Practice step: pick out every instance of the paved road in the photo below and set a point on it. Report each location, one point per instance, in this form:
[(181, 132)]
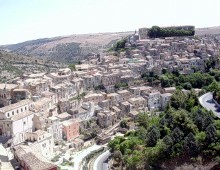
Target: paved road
[(82, 154), (100, 161), (207, 102)]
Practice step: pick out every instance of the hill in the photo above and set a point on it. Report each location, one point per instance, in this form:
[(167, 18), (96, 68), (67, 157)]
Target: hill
[(13, 65), (208, 30), (66, 48)]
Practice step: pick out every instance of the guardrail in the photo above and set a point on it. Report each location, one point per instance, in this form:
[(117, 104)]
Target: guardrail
[(85, 162)]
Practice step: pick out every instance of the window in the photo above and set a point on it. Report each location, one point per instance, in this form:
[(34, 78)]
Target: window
[(12, 112), (21, 110), (25, 108), (8, 114), (17, 111), (24, 123)]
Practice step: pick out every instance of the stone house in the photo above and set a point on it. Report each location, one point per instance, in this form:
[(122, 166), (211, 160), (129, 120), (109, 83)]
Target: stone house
[(51, 96), (61, 76), (79, 84), (37, 86), (54, 128), (106, 118), (138, 103), (165, 99), (125, 108), (6, 93), (124, 95), (70, 129), (110, 79), (94, 97), (30, 160), (114, 98), (105, 104), (17, 126), (89, 81), (153, 101), (63, 105), (43, 141)]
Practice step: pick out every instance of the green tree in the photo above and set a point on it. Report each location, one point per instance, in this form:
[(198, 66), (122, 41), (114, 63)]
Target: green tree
[(152, 136), (214, 86), (190, 145), (72, 67), (211, 133), (124, 124), (177, 135), (143, 120), (178, 99)]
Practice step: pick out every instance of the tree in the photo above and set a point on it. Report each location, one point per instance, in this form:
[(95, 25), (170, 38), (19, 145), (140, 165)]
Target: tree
[(178, 100), (124, 124), (156, 31), (177, 135), (187, 86), (142, 133), (168, 141), (115, 143), (134, 161), (143, 120), (190, 145), (152, 136), (211, 133), (72, 67), (200, 137), (214, 86)]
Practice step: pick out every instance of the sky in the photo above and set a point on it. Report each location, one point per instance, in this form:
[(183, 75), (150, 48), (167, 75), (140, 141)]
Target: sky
[(22, 20)]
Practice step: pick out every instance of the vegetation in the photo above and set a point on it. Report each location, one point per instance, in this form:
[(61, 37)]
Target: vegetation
[(119, 46), (215, 88), (183, 130), (78, 97), (72, 67), (194, 80), (66, 52), (121, 85), (99, 87), (90, 156), (124, 124), (155, 32)]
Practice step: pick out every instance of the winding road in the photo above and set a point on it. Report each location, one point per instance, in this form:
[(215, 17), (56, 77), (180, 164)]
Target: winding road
[(82, 154), (207, 102), (100, 161)]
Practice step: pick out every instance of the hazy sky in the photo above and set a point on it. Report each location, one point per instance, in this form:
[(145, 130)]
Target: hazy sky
[(22, 20)]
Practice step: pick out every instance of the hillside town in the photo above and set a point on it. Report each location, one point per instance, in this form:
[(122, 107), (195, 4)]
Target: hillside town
[(47, 119)]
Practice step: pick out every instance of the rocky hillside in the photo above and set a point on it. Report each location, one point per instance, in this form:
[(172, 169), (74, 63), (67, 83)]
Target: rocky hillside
[(13, 65), (208, 30), (66, 49)]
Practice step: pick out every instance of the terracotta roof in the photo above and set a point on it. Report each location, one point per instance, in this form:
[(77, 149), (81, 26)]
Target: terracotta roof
[(34, 163)]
